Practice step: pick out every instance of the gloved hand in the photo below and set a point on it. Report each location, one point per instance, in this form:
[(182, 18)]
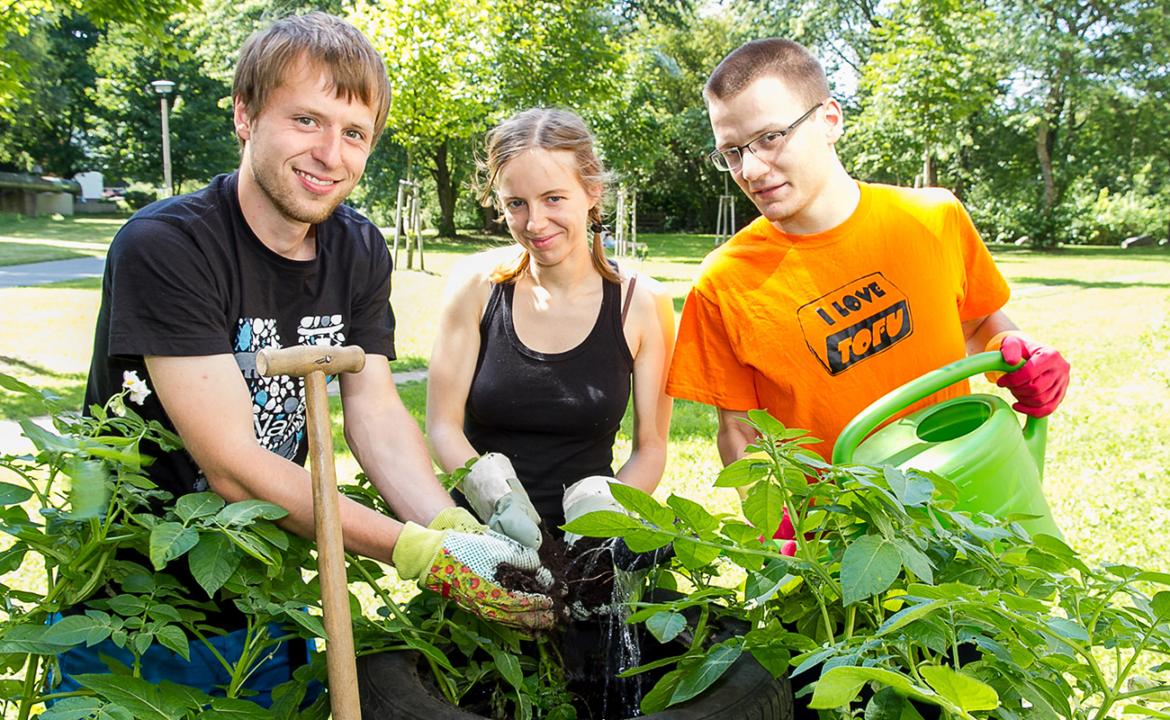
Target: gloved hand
[(1040, 385), (462, 567), (591, 494), (498, 498), (456, 518)]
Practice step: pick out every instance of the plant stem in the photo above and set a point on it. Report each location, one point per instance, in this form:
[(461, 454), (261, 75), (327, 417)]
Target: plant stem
[(30, 681)]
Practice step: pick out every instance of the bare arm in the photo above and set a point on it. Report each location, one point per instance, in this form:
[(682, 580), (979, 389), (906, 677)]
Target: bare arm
[(388, 444), (734, 435), (978, 332), (651, 319), (208, 402), (453, 361)]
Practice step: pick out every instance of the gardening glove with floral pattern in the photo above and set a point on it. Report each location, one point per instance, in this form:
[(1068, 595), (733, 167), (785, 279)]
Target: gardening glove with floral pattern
[(498, 498), (587, 496), (462, 567), (1040, 385)]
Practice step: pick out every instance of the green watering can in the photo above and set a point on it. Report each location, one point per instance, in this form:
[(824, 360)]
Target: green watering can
[(975, 441)]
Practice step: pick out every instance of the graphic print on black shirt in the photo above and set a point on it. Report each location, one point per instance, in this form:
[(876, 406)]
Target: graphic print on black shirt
[(278, 408), (855, 322)]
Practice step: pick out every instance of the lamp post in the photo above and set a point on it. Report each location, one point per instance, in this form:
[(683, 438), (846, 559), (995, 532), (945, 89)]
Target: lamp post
[(163, 88)]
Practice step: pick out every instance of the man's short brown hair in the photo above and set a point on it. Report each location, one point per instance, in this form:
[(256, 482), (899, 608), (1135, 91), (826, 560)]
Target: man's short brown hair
[(785, 60), (329, 44)]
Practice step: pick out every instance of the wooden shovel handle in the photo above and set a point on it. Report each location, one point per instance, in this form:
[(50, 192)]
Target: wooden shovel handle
[(300, 360)]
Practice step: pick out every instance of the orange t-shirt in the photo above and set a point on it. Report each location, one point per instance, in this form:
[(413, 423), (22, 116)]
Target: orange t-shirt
[(814, 328)]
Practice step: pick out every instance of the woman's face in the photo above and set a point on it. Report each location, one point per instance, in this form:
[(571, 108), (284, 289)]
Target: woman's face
[(545, 204)]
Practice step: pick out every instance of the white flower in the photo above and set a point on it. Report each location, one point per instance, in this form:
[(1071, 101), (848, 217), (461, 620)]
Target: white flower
[(137, 388)]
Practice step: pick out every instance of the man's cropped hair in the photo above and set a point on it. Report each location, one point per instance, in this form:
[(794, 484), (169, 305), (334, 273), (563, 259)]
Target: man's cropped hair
[(330, 45), (785, 60)]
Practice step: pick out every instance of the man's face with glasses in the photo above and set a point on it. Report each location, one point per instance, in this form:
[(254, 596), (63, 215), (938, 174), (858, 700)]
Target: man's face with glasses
[(777, 148)]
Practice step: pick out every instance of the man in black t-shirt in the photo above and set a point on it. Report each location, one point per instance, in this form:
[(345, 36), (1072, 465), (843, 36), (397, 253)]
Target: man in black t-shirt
[(267, 256)]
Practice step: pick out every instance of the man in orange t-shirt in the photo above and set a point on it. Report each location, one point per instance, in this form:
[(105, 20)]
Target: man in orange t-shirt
[(842, 291)]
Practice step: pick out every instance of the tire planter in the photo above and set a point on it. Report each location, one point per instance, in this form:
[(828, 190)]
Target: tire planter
[(398, 686)]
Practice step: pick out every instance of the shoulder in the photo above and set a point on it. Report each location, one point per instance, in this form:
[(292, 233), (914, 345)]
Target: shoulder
[(921, 202), (190, 218), (729, 262), (470, 279), (650, 298)]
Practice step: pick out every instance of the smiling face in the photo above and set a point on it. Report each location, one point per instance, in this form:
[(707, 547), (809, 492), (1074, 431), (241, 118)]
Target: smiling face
[(305, 151), (545, 204), (790, 188)]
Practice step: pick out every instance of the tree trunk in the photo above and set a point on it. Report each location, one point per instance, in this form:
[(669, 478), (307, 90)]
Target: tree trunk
[(445, 187), (1044, 156)]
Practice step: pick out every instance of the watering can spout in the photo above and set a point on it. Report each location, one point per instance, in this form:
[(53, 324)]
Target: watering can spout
[(1036, 439)]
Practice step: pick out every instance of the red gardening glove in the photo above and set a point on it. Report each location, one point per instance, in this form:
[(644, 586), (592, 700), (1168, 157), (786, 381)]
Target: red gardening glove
[(1040, 385)]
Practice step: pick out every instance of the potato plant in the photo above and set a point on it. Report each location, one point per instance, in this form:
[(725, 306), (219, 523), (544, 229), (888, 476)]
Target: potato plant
[(895, 600)]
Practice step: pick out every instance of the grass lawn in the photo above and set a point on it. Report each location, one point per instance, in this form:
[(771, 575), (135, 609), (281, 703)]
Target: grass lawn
[(1106, 309), (30, 240)]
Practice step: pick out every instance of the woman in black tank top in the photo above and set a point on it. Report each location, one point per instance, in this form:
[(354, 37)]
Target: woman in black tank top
[(542, 345)]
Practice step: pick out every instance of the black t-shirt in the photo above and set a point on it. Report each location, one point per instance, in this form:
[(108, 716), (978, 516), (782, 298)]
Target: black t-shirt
[(554, 415), (188, 277)]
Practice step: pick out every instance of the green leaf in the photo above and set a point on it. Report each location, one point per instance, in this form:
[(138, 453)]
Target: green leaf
[(907, 615), (742, 472), (246, 511), (85, 708), (213, 561), (915, 560), (870, 565), (764, 508), (312, 623), (966, 692), (700, 677), (13, 494), (640, 541), (509, 667), (234, 709), (45, 440), (174, 638), (693, 515), (198, 505), (886, 704), (88, 493), (127, 605), (169, 540), (666, 626), (603, 523), (1128, 710), (10, 383), (640, 503), (12, 558), (912, 491), (145, 700), (1067, 629), (839, 686), (659, 696), (760, 587), (692, 555)]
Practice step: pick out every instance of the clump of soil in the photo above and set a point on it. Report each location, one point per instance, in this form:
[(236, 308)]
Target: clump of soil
[(582, 573)]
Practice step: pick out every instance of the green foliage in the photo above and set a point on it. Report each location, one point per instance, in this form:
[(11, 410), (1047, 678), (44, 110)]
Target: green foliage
[(889, 584), (81, 513)]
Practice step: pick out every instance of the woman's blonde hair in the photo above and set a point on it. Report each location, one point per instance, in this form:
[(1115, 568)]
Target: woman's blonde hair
[(549, 130)]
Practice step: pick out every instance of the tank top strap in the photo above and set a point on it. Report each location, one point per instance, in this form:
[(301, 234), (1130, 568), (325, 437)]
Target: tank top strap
[(629, 297)]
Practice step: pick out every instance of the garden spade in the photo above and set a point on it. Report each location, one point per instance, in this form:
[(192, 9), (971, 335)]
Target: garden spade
[(313, 362)]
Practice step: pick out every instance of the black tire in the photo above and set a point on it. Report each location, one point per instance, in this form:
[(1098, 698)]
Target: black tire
[(393, 688)]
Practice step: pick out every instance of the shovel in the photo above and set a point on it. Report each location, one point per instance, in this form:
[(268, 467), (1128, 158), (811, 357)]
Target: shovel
[(312, 362)]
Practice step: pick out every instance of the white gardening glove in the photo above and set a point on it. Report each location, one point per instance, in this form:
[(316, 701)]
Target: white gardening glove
[(498, 498), (591, 494)]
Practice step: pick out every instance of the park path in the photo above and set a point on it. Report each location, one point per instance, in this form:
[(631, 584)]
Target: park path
[(51, 271)]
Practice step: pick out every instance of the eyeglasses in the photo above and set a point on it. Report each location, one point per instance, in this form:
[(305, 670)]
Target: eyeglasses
[(766, 146)]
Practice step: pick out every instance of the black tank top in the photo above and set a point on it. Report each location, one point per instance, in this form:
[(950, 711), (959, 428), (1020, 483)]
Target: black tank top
[(554, 415)]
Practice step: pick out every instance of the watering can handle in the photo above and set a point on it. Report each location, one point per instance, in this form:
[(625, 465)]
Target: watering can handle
[(919, 388)]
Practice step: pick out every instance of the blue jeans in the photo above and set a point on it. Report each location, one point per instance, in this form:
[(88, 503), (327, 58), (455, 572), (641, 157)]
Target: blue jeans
[(204, 671)]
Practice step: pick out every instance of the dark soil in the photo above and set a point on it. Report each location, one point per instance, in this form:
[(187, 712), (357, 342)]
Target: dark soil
[(581, 573)]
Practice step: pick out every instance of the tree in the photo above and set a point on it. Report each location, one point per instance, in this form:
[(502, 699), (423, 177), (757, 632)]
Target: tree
[(437, 56), (146, 19), (127, 128), (48, 128)]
